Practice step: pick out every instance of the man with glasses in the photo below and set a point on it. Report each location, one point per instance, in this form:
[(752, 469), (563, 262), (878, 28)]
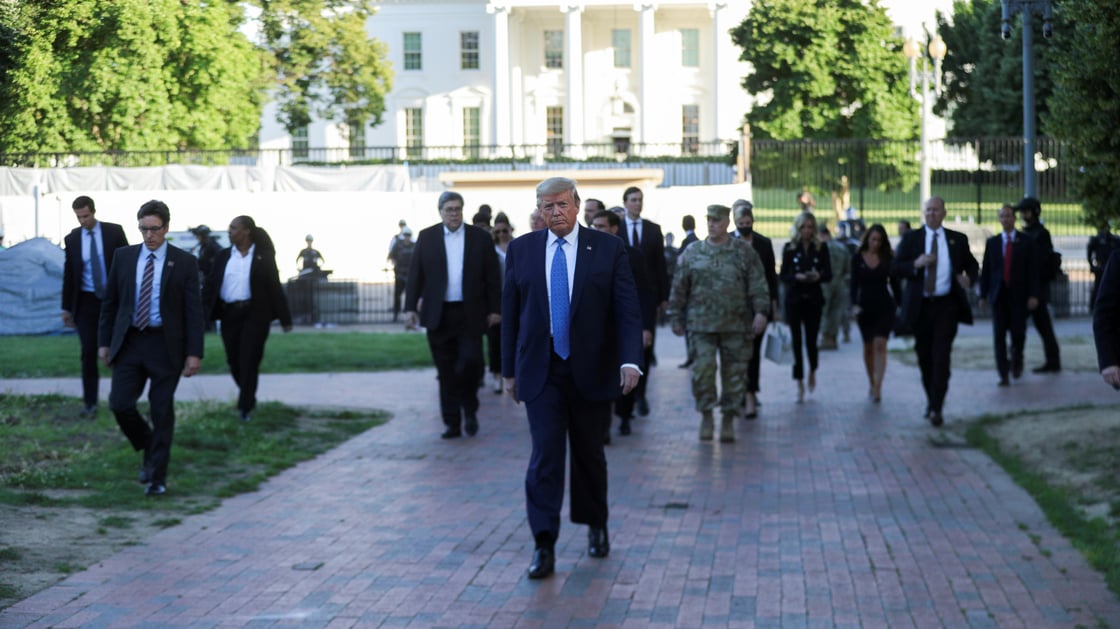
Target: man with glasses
[(151, 331), (89, 256), (454, 291)]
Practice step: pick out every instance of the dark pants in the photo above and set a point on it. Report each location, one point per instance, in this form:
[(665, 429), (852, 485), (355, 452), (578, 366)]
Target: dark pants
[(933, 341), (86, 316), (398, 290), (244, 339), (559, 418), (753, 365), (1006, 320), (1045, 327), (458, 359), (639, 392), (494, 347), (143, 358), (808, 314)]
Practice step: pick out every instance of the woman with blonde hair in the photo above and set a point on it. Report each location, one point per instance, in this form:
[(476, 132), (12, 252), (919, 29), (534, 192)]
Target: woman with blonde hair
[(805, 265)]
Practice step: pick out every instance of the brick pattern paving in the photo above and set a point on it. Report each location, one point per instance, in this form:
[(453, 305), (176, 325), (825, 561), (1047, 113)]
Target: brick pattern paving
[(836, 512)]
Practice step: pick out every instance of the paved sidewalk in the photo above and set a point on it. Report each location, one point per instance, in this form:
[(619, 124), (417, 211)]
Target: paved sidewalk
[(835, 512)]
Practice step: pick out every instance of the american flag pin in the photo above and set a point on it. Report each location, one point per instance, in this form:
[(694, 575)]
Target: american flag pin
[(589, 247)]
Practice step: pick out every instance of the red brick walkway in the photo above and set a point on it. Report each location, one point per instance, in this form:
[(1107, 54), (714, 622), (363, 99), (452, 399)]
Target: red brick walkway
[(831, 513)]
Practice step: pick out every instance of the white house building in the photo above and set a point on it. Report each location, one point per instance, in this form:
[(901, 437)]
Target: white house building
[(583, 78)]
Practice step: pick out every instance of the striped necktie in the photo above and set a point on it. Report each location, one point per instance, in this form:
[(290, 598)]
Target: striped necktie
[(144, 301)]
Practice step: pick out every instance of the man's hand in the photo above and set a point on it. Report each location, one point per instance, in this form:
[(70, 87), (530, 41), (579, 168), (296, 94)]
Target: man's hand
[(103, 354), (191, 368), (855, 311), (511, 389), (678, 329), (964, 281), (411, 320), (493, 319), (983, 303), (68, 319), (1032, 303), (286, 328), (924, 260), (1111, 376), (758, 326), (629, 379), (647, 338)]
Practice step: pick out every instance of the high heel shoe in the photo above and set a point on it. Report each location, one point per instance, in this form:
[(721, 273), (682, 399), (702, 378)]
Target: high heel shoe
[(800, 391), (812, 381)]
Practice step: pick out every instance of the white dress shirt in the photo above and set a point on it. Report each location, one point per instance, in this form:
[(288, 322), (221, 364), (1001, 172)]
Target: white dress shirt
[(944, 264), (453, 245)]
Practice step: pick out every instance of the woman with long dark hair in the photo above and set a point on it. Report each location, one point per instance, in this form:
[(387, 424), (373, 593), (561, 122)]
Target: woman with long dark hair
[(875, 292), (805, 265), (502, 232), (245, 294)]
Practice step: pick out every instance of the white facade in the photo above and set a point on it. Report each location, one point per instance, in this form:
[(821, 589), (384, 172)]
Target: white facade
[(681, 65)]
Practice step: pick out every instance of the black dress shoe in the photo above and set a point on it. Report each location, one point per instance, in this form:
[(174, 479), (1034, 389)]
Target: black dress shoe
[(1004, 382), (1017, 369), (643, 407), (936, 419), (155, 489), (1047, 369), (145, 475), (88, 412), (245, 415), (451, 433), (598, 544), (624, 426), (544, 563), (470, 424)]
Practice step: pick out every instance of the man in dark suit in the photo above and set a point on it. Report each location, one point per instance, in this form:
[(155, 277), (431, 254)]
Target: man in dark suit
[(610, 222), (744, 223), (89, 257), (1009, 283), (935, 299), (1106, 322), (151, 330), (1046, 271), (646, 236), (688, 224), (591, 209), (571, 343), (455, 282)]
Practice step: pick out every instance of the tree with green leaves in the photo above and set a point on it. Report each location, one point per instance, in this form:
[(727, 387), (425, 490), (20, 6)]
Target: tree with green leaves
[(325, 63), (1085, 105)]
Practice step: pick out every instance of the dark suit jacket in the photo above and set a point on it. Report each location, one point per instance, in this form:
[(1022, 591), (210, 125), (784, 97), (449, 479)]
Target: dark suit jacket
[(112, 238), (1106, 314), (180, 304), (266, 301), (427, 278), (1043, 250), (912, 245), (1024, 279), (765, 250), (647, 299), (653, 250), (689, 238), (606, 326)]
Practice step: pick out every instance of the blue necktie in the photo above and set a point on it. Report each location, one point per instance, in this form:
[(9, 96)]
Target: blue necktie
[(560, 341)]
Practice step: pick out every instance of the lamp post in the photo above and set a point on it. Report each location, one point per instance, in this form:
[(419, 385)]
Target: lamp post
[(1027, 8), (913, 50)]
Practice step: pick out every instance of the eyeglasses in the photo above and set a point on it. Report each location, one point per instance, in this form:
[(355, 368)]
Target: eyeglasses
[(150, 230), (501, 231)]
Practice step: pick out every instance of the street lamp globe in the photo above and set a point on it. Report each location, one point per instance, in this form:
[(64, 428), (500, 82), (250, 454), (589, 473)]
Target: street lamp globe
[(937, 48), (911, 49)]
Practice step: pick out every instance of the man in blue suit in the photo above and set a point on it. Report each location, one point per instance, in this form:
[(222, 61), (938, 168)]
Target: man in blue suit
[(1009, 282), (571, 344)]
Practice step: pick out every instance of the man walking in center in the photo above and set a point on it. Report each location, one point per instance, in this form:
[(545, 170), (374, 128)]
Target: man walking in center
[(939, 268), (89, 258), (646, 236), (1046, 270), (150, 332), (454, 282), (571, 343), (1008, 282)]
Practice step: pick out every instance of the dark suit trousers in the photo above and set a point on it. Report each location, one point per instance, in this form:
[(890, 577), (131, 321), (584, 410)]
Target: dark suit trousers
[(398, 289), (244, 339), (933, 340), (458, 359), (86, 316), (143, 357), (1045, 327), (561, 417), (753, 365), (1004, 321), (639, 392)]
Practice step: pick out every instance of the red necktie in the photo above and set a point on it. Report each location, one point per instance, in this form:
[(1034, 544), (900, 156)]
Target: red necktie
[(1007, 259)]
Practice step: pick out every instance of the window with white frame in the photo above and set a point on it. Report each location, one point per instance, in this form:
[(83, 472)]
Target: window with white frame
[(300, 144), (413, 52), (414, 132), (468, 50), (554, 49), (554, 128), (357, 139), (472, 131), (620, 41), (690, 47), (690, 129)]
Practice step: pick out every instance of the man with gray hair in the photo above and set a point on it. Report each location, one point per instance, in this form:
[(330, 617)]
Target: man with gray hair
[(454, 274)]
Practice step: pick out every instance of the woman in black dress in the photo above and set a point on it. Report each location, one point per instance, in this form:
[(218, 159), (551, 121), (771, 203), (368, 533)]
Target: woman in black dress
[(875, 294), (805, 264)]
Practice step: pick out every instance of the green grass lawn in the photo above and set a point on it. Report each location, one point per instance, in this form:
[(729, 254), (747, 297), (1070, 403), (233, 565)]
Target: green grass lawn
[(57, 356)]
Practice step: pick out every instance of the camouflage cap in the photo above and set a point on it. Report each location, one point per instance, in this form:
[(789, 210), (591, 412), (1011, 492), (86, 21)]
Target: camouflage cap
[(719, 212)]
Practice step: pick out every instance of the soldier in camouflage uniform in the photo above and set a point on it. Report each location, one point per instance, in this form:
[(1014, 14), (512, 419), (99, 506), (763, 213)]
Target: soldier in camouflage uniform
[(836, 310), (720, 296)]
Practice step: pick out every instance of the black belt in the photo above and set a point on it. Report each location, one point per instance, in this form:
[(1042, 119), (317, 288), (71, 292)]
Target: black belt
[(244, 303), (938, 297), (148, 331)]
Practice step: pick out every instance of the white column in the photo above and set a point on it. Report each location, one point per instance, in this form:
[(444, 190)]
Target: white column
[(722, 58), (645, 70), (573, 67), (500, 109)]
